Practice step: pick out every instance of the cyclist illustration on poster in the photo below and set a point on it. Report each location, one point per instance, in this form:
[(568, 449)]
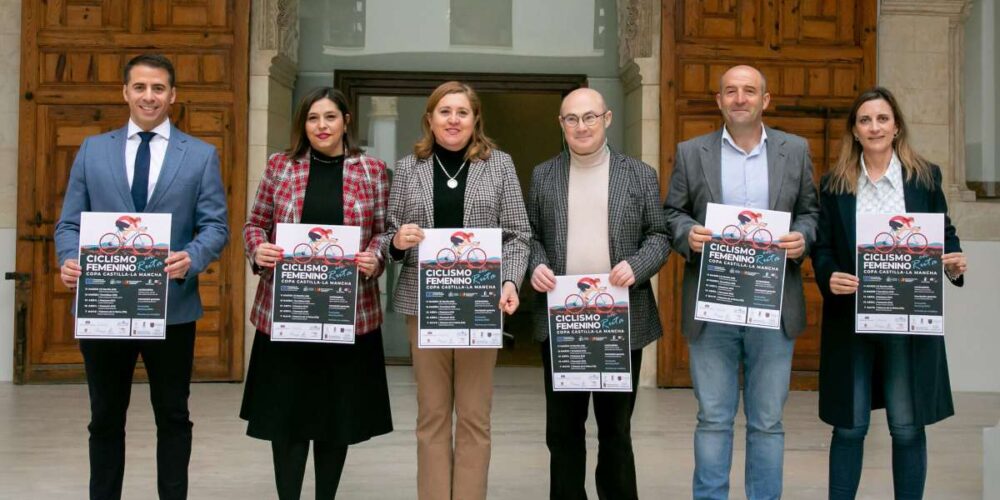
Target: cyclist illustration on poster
[(315, 283), (122, 292), (589, 334), (901, 274), (742, 268), (460, 283)]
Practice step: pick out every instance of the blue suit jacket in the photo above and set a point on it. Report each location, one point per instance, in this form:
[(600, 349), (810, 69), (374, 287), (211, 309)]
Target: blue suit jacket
[(189, 188)]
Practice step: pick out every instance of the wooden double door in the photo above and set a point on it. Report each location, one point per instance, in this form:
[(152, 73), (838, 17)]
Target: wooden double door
[(817, 56), (72, 58)]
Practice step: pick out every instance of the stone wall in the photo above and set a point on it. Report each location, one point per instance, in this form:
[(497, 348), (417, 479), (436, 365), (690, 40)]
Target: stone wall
[(10, 83)]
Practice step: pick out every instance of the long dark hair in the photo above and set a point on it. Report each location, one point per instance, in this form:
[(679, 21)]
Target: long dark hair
[(299, 145), (845, 173)]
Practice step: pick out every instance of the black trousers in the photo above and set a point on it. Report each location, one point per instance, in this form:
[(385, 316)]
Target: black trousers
[(110, 365), (566, 434)]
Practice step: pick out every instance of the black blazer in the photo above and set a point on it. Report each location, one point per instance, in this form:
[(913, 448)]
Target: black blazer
[(834, 251)]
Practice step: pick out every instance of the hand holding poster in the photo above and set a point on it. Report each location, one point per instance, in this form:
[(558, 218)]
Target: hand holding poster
[(122, 291), (460, 279), (315, 283), (589, 335), (900, 273), (742, 268)]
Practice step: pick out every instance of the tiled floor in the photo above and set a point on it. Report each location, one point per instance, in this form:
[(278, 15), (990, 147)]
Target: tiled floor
[(43, 446)]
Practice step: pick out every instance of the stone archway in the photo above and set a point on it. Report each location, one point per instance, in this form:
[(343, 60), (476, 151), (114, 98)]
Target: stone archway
[(274, 42)]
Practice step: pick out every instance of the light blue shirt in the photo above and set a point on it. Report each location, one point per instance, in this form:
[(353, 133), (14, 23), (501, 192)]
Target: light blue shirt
[(744, 175)]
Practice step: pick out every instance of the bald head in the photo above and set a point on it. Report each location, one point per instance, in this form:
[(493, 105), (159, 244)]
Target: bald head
[(584, 97), (742, 98), (584, 117), (743, 71)]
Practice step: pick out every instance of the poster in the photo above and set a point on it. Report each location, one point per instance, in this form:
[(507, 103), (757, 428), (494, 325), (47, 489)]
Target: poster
[(460, 281), (742, 269), (589, 335), (122, 291), (900, 272), (315, 283)]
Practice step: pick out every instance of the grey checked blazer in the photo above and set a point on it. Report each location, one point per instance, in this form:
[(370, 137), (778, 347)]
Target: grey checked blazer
[(638, 234), (697, 181), (492, 199)]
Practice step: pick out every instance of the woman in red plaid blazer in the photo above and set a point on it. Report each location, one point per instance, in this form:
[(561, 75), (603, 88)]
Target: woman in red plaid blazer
[(334, 395)]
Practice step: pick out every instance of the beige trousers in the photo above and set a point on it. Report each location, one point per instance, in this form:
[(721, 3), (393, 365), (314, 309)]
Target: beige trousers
[(459, 380)]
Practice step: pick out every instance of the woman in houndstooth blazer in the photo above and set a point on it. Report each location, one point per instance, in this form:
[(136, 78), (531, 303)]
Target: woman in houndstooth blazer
[(455, 178), (296, 392)]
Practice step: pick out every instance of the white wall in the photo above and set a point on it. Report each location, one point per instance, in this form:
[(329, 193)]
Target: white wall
[(393, 27), (971, 323), (402, 35), (7, 240)]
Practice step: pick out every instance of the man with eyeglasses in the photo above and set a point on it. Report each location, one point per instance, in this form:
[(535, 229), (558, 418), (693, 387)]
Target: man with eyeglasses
[(594, 210)]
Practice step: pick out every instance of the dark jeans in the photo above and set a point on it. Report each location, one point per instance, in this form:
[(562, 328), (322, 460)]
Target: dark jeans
[(566, 433), (909, 443), (109, 365), (290, 467)]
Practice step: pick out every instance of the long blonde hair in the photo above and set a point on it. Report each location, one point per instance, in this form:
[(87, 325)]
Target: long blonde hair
[(480, 146), (845, 173)]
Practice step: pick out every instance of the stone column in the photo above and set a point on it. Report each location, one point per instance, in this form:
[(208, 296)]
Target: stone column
[(382, 144), (382, 128), (920, 59), (991, 463), (10, 84), (639, 62), (273, 69)]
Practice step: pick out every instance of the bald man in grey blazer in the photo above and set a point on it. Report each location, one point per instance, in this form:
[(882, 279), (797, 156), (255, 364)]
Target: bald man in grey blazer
[(743, 164), (594, 210)]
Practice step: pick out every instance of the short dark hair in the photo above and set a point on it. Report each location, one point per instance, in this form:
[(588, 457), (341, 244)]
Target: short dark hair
[(151, 60)]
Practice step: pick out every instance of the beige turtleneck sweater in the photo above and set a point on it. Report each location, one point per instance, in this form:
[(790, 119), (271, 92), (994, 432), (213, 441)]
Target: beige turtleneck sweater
[(587, 246)]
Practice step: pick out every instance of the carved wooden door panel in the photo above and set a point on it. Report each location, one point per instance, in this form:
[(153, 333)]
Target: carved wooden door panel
[(72, 57), (817, 55)]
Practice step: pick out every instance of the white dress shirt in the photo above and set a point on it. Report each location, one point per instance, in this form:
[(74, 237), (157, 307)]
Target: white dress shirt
[(157, 151), (884, 196)]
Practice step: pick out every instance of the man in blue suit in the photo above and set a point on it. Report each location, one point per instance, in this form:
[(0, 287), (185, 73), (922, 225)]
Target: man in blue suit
[(146, 166)]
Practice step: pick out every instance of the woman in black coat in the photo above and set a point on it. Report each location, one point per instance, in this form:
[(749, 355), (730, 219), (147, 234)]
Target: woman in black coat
[(877, 172)]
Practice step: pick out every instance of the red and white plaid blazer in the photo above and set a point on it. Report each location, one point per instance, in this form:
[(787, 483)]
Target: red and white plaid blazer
[(279, 199)]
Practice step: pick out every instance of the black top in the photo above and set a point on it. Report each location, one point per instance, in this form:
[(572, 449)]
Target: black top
[(449, 203), (324, 199)]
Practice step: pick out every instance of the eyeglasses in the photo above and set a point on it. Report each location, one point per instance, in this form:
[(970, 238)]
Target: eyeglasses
[(589, 119)]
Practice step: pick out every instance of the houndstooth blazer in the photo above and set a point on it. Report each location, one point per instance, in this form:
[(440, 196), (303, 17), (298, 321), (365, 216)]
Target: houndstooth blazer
[(492, 199), (638, 234)]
